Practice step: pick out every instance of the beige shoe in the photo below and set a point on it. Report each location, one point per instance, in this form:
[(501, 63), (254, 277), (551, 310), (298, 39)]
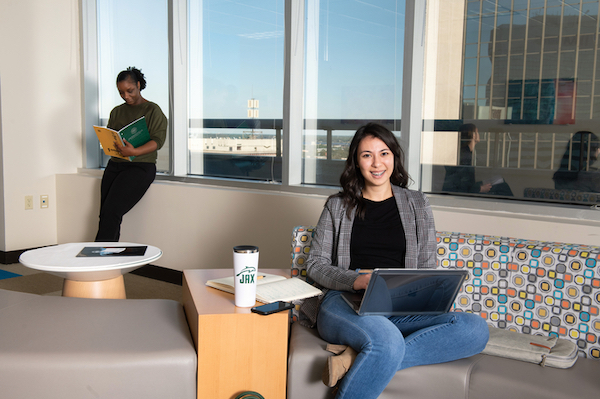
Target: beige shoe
[(337, 349), (337, 366)]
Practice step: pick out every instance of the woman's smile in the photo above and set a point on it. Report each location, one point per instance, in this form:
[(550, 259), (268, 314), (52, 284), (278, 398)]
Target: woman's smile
[(376, 162)]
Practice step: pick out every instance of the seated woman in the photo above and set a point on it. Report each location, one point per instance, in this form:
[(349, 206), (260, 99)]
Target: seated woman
[(376, 222), (578, 169)]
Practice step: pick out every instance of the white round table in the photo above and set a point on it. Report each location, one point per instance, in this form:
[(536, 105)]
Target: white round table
[(89, 277)]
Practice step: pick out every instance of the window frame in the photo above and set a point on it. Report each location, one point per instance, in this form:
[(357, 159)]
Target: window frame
[(412, 115)]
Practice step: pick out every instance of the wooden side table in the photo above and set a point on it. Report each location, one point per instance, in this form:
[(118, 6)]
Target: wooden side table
[(237, 350)]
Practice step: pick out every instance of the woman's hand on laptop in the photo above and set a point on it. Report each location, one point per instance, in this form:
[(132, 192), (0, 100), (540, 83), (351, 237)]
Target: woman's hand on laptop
[(362, 281)]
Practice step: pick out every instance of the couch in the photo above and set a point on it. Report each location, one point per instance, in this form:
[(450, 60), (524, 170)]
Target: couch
[(58, 347), (526, 286)]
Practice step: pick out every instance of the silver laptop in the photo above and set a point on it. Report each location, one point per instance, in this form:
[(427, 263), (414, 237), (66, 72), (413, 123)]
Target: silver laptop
[(402, 292)]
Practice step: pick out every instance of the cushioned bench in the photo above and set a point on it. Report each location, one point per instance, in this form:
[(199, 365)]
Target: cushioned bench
[(477, 377), (57, 347), (526, 286)]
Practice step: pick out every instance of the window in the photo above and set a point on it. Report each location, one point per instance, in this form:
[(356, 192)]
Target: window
[(133, 33), (353, 75), (236, 88), (273, 90), (234, 73), (529, 90)]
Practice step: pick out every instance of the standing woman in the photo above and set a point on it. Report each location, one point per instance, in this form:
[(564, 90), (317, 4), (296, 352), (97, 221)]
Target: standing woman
[(124, 183), (376, 222)]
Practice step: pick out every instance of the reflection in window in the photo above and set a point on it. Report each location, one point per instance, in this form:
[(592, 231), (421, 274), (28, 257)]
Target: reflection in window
[(540, 91)]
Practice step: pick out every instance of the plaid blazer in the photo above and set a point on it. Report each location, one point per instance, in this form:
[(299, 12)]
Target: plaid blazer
[(329, 257)]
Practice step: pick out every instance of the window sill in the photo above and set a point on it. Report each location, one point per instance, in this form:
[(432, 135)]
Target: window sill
[(526, 210), (237, 184)]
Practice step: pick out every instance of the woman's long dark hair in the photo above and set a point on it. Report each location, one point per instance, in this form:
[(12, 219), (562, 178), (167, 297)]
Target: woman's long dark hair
[(133, 74), (352, 180)]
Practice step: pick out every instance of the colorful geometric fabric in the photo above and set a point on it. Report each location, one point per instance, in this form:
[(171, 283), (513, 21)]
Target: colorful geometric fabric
[(533, 287), (301, 239)]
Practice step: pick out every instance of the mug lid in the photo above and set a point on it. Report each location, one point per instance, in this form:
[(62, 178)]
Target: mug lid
[(245, 249)]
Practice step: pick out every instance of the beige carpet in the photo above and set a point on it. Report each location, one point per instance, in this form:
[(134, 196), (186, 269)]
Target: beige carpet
[(136, 287)]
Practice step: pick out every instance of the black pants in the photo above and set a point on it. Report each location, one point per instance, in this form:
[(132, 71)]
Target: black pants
[(123, 185)]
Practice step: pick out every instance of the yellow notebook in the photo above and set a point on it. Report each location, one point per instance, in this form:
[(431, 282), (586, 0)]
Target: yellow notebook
[(136, 133)]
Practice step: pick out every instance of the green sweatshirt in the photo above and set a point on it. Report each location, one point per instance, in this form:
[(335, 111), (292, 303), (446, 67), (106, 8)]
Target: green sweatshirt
[(122, 115)]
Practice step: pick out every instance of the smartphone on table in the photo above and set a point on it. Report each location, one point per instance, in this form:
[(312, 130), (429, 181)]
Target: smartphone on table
[(273, 307)]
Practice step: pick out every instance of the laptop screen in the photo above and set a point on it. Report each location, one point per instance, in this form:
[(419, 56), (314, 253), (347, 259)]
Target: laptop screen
[(406, 291)]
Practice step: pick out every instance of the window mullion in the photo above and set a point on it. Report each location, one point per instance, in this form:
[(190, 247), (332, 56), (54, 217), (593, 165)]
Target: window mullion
[(178, 78), (293, 93), (91, 150), (412, 92)]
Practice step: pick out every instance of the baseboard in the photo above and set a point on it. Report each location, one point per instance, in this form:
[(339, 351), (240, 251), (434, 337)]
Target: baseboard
[(160, 273), (7, 258)]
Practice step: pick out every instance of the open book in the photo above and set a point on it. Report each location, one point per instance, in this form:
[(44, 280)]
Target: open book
[(135, 133), (272, 288), (493, 180)]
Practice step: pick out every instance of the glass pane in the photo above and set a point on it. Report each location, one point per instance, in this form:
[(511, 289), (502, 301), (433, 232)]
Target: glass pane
[(551, 44), (502, 26), (472, 29), (146, 47), (532, 69), (236, 88), (585, 65), (353, 75), (500, 65), (525, 146), (485, 70), (487, 28), (470, 75), (552, 27)]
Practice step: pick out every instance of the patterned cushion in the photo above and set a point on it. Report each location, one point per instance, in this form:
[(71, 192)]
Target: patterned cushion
[(535, 288), (301, 239), (531, 287)]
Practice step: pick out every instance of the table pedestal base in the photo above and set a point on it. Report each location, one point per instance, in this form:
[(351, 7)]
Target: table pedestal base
[(111, 289)]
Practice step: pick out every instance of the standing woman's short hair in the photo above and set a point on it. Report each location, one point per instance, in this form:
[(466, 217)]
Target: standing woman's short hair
[(134, 74), (352, 180)]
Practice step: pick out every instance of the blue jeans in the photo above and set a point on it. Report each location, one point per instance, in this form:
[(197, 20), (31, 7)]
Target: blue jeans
[(386, 345)]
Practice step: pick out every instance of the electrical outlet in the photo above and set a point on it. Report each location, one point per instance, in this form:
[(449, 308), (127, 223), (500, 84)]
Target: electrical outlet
[(43, 201), (28, 202)]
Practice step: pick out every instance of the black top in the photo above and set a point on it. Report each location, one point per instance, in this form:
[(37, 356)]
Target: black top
[(378, 240)]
